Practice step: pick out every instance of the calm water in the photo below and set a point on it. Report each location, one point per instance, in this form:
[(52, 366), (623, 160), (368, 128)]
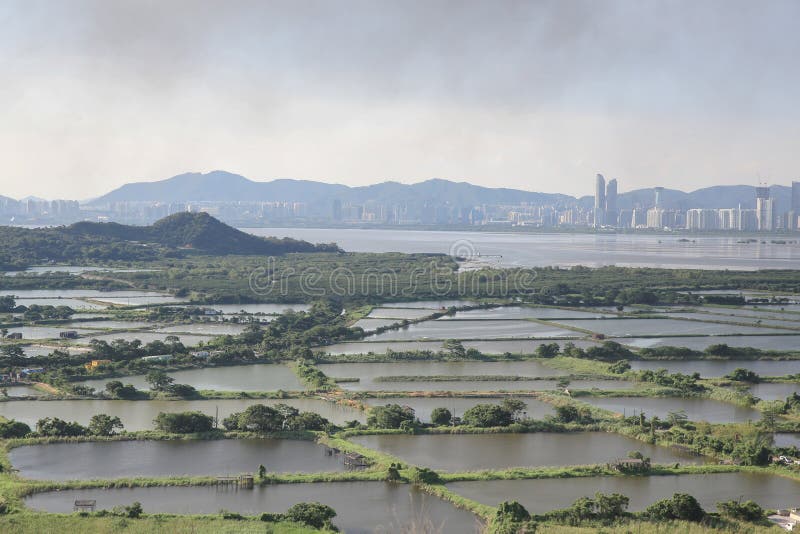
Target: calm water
[(44, 332), (663, 327), (696, 409), (139, 415), (537, 250), (75, 304), (738, 319), (369, 323), (540, 496), (513, 346), (119, 459), (474, 330), (435, 305), (361, 507), (398, 313), (774, 391), (517, 312), (787, 439), (466, 452), (214, 329), (423, 406), (368, 371), (139, 300), (718, 368), (782, 343), (257, 377), (76, 293), (257, 308)]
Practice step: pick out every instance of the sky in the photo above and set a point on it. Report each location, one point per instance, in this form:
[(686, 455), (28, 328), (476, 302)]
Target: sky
[(535, 95)]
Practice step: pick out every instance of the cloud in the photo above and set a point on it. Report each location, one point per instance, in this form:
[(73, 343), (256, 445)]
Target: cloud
[(500, 93)]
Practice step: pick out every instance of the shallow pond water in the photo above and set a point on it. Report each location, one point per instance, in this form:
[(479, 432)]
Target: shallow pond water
[(539, 496), (469, 452), (361, 507), (257, 377), (708, 410), (122, 459)]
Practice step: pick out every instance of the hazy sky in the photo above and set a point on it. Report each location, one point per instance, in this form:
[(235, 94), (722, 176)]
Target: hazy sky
[(537, 95)]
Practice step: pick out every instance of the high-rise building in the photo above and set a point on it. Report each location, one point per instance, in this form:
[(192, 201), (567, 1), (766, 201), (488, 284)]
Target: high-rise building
[(611, 202), (765, 210), (658, 192), (794, 213), (599, 201)]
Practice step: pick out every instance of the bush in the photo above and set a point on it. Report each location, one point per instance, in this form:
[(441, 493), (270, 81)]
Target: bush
[(389, 416), (313, 514), (744, 511), (184, 422), (681, 506), (14, 429), (441, 416), (53, 426)]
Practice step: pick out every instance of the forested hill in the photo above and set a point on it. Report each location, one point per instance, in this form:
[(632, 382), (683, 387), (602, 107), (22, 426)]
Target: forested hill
[(171, 236)]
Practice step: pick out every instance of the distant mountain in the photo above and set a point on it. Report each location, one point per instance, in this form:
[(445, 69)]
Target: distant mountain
[(225, 186), (171, 236)]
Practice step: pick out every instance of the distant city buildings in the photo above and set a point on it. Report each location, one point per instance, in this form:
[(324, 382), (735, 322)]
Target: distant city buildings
[(606, 210)]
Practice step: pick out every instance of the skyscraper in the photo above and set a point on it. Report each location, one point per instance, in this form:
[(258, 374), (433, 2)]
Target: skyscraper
[(765, 210), (791, 219), (658, 191), (611, 202), (599, 201)]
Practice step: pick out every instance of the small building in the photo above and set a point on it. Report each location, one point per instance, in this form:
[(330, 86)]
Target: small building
[(200, 354), (68, 334), (94, 364), (84, 505), (32, 371), (14, 335)]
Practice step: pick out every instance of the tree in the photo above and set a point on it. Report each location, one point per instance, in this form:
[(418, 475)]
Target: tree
[(514, 406), (743, 375), (455, 348), (681, 506), (313, 514), (134, 510), (13, 429), (260, 418), (53, 426), (389, 416), (744, 511), (262, 471), (158, 380), (677, 418), (619, 367), (104, 425), (184, 422), (116, 389), (567, 413), (487, 415), (182, 390), (547, 350), (441, 416)]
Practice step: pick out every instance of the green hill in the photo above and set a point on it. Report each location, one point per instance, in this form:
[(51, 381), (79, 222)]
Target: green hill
[(174, 235)]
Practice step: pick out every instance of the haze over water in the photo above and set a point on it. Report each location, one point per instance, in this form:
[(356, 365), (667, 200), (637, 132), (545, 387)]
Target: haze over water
[(564, 250)]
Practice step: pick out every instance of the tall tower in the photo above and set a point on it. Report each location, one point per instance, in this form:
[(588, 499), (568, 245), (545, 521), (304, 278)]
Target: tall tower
[(599, 201), (765, 210), (611, 202), (658, 192), (794, 213)]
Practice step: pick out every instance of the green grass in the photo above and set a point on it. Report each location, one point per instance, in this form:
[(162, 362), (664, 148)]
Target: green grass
[(40, 523)]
